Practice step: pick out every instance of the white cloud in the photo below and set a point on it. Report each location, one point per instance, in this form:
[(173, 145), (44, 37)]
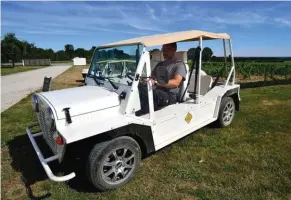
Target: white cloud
[(284, 21), (151, 12)]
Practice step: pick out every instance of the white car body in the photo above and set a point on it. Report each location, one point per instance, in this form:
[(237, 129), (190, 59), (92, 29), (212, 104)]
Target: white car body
[(100, 109)]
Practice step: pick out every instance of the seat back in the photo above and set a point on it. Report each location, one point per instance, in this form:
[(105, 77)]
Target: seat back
[(205, 86), (206, 82), (156, 57), (182, 55)]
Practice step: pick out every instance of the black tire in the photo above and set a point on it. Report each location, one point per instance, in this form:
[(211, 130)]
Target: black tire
[(221, 121), (96, 168)]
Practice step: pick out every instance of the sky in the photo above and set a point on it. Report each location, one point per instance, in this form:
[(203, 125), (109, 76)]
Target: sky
[(256, 28)]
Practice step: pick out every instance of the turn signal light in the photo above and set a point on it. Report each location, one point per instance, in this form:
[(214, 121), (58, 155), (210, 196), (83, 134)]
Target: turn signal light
[(59, 140)]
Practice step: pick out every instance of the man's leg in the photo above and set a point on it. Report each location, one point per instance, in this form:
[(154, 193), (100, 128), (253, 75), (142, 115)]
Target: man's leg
[(143, 96), (163, 98), (160, 98)]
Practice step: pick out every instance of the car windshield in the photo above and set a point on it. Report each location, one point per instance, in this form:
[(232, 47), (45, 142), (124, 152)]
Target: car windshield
[(116, 63)]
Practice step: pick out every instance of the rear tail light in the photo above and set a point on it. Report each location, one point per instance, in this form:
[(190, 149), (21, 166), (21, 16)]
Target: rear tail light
[(59, 140)]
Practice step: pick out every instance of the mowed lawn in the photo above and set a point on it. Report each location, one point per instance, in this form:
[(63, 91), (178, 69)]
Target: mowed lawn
[(13, 70), (251, 159)]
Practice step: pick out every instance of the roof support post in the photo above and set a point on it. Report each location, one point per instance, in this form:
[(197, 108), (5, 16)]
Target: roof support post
[(197, 95), (149, 85), (232, 61), (225, 57), (232, 70)]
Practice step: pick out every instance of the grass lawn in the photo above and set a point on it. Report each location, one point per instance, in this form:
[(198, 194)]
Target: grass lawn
[(64, 61), (251, 159), (13, 70)]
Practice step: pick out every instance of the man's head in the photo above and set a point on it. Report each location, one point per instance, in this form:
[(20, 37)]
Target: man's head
[(169, 51)]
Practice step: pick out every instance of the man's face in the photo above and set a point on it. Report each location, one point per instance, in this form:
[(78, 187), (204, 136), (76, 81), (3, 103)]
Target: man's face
[(168, 51)]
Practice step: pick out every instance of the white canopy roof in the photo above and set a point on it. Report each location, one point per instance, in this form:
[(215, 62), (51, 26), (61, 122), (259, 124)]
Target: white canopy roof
[(160, 39)]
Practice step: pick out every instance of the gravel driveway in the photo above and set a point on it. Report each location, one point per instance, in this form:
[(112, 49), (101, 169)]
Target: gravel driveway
[(17, 86)]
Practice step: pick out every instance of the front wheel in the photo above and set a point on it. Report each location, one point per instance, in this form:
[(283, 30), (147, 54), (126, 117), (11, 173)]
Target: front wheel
[(226, 112), (113, 163)]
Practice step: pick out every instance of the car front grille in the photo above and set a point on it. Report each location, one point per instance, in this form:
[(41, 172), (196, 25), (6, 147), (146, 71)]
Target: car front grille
[(46, 124)]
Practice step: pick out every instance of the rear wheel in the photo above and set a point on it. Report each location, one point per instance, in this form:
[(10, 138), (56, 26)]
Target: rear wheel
[(113, 163), (226, 112)]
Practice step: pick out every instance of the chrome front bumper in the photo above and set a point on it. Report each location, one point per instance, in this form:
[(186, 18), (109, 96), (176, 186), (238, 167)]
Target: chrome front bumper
[(44, 162)]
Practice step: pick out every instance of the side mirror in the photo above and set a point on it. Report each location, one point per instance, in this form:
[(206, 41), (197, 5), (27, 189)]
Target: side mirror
[(162, 75)]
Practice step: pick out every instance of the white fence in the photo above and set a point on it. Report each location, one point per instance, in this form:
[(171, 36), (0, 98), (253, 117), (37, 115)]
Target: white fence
[(36, 62)]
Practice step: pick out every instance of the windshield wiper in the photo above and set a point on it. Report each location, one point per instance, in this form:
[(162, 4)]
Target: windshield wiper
[(95, 79), (109, 79)]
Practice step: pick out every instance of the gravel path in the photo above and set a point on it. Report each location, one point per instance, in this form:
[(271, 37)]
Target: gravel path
[(15, 87)]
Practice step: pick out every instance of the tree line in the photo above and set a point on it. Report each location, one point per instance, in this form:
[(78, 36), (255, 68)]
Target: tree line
[(14, 50)]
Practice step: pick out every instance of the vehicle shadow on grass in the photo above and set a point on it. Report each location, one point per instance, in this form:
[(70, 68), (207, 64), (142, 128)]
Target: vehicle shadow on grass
[(25, 161), (264, 83)]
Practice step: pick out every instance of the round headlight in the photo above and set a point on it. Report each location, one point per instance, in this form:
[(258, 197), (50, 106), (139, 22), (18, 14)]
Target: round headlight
[(51, 113)]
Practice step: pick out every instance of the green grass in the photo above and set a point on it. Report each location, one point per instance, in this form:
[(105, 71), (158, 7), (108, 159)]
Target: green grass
[(64, 61), (14, 70), (250, 159)]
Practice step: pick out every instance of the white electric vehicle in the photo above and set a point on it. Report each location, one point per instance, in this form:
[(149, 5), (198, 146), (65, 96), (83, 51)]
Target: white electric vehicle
[(103, 113)]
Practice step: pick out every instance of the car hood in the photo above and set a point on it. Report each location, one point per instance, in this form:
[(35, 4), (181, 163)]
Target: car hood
[(80, 100)]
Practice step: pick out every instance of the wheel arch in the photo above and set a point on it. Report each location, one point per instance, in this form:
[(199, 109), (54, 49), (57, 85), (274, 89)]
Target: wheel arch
[(234, 94), (141, 133)]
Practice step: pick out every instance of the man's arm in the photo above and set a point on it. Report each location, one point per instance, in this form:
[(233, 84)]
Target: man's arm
[(173, 83)]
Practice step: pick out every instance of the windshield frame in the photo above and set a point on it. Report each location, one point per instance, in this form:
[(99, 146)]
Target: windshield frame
[(139, 46)]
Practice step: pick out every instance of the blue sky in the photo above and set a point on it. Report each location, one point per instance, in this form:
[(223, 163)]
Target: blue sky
[(256, 28)]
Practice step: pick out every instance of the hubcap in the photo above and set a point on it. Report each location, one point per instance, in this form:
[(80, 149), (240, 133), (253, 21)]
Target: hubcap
[(228, 113), (118, 166)]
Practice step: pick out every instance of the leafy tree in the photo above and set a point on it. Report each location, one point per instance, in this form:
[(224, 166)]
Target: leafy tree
[(207, 54), (80, 52), (69, 49), (190, 53), (61, 55), (12, 49)]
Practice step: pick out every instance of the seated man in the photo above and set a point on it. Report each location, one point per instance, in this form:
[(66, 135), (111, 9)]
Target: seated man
[(166, 94)]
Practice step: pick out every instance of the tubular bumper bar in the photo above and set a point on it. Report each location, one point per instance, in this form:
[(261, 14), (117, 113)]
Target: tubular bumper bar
[(43, 161)]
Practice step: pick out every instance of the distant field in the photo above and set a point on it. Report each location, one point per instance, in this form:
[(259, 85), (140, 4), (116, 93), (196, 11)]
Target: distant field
[(11, 70), (248, 69)]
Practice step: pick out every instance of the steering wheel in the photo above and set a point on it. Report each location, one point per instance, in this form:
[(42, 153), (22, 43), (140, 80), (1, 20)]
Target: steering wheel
[(129, 75)]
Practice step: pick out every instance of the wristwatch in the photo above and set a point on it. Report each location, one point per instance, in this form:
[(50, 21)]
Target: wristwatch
[(156, 82)]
